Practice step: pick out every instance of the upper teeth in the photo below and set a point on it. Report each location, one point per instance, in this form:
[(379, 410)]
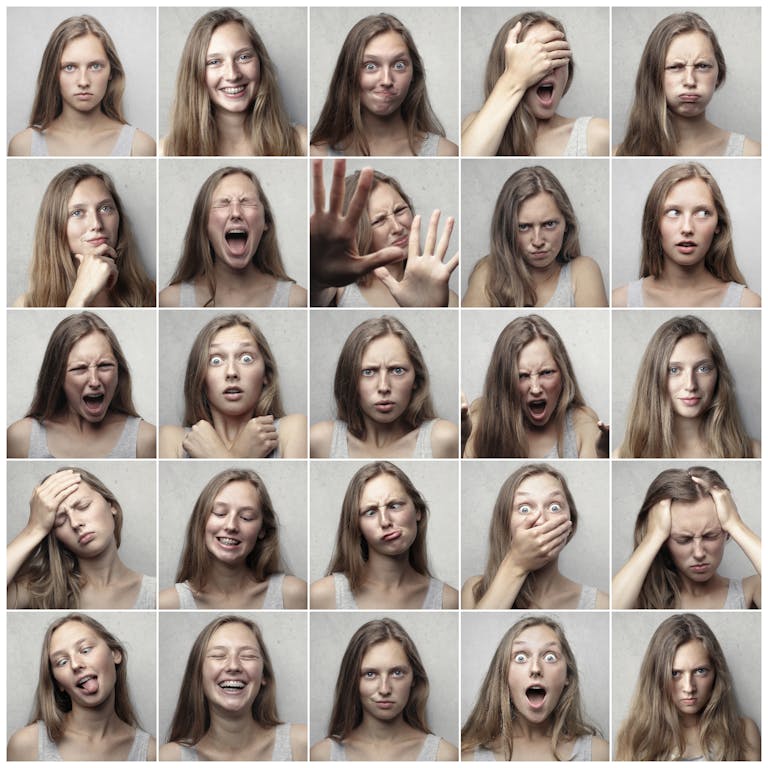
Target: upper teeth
[(85, 680), (225, 540), (232, 684), (234, 89), (236, 232)]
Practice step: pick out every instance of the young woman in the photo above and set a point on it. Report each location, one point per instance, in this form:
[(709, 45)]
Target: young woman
[(377, 101), (418, 279), (227, 98), (383, 402), (533, 519), (227, 706), (231, 256), (695, 414), (83, 710), (681, 531), (82, 406), (529, 70), (380, 556), (681, 66), (78, 106), (535, 258), (684, 707), (231, 557), (232, 399), (687, 257), (84, 253), (66, 555), (531, 405), (380, 702), (529, 705)]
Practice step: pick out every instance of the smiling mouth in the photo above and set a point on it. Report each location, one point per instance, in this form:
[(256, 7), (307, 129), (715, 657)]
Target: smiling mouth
[(232, 685), (233, 90), (227, 542)]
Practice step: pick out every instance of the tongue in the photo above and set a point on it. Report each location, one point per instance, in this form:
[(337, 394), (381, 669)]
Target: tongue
[(237, 245), (90, 686), (535, 695)]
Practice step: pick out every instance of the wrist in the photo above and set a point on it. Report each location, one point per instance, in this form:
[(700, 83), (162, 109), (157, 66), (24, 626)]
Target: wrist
[(512, 567), (34, 532)]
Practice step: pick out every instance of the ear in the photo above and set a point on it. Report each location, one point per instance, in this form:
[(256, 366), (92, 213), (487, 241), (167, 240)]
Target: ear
[(117, 657), (113, 510), (418, 515)]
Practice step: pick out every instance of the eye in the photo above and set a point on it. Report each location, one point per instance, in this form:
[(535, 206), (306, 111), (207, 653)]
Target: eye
[(106, 366), (219, 512), (675, 674), (550, 657), (78, 369), (212, 62), (555, 507), (702, 671), (711, 536), (245, 57), (215, 360), (59, 520), (704, 66), (673, 370), (86, 649), (395, 504), (523, 227), (247, 358), (76, 213), (401, 210), (549, 372), (370, 512), (96, 66), (398, 370), (367, 372), (369, 674), (520, 658), (400, 66), (525, 509), (705, 368), (683, 540), (676, 67), (369, 66), (60, 662), (552, 224), (250, 657), (107, 208), (398, 672), (703, 213), (378, 221), (672, 213), (523, 376), (216, 656)]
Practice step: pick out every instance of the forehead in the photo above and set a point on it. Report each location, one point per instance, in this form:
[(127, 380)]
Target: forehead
[(540, 485), (229, 35), (536, 352), (540, 205), (385, 347), (385, 654), (695, 190), (94, 343), (92, 188), (693, 653), (233, 633), (538, 635), (385, 43), (235, 334), (239, 492), (87, 46), (235, 184), (693, 346), (382, 485), (383, 196), (539, 29), (690, 44), (694, 516), (70, 632)]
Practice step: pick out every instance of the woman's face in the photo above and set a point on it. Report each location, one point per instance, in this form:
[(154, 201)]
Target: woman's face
[(236, 221), (90, 380), (693, 678), (539, 496), (539, 383), (540, 230), (387, 516), (85, 522), (688, 222), (92, 217), (84, 73), (82, 663), (696, 541), (234, 525), (690, 74), (233, 668), (691, 377), (236, 373), (538, 673), (232, 69), (390, 217), (386, 379), (543, 98), (386, 679), (385, 74)]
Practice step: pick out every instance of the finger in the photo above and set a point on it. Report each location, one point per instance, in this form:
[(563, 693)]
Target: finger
[(383, 274), (318, 185), (530, 520), (388, 255), (266, 419), (429, 243), (336, 199), (442, 246), (452, 263), (360, 196), (603, 427), (79, 258), (513, 33), (547, 37), (414, 237)]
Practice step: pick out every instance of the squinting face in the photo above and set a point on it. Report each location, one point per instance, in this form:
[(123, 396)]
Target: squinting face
[(387, 516), (92, 217), (540, 230), (386, 379), (539, 383), (540, 496), (90, 380), (84, 73), (386, 679), (544, 97), (232, 68), (390, 217), (690, 74), (85, 522), (385, 74), (697, 541), (234, 525), (691, 377), (693, 678)]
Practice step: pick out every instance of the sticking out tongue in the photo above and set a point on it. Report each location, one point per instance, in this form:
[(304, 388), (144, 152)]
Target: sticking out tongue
[(535, 695), (91, 685), (237, 242)]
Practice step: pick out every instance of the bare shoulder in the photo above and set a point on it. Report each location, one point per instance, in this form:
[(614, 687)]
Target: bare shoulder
[(18, 438), (585, 266), (298, 741), (467, 591), (21, 144), (293, 436), (751, 739), (318, 150), (598, 137), (619, 296), (600, 751), (748, 299), (171, 438), (294, 592), (453, 298), (467, 121), (445, 439), (450, 598), (297, 296), (143, 145), (170, 752), (152, 749), (322, 594), (446, 148), (301, 135), (171, 296), (756, 449), (752, 148), (23, 744), (478, 281), (168, 600), (587, 432), (588, 287), (584, 416), (21, 301), (161, 150), (146, 443), (602, 602), (321, 751), (467, 755), (446, 751), (752, 588), (320, 436)]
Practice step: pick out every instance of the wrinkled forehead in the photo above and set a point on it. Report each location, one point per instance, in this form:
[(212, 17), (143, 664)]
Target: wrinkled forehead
[(694, 517)]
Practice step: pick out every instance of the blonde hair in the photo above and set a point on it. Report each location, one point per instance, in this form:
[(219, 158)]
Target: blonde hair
[(48, 104), (350, 553), (341, 116), (652, 730), (720, 260), (53, 271), (650, 424), (193, 126), (192, 717), (509, 282), (197, 256), (649, 129), (520, 134), (492, 718), (500, 431), (499, 532)]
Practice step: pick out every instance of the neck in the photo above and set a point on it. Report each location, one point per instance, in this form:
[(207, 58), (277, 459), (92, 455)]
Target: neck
[(391, 572), (690, 725), (689, 127), (229, 427), (372, 729), (235, 281), (227, 579), (231, 126), (92, 723), (681, 277), (76, 121), (233, 731), (526, 730), (83, 426), (548, 580), (383, 434), (383, 127), (104, 569), (550, 124), (700, 588), (687, 433), (542, 275)]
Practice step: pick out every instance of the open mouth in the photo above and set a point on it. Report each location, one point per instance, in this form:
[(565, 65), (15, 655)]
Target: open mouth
[(94, 403), (545, 92), (233, 393), (537, 408), (227, 542), (535, 694), (232, 685), (88, 684), (233, 90), (237, 241)]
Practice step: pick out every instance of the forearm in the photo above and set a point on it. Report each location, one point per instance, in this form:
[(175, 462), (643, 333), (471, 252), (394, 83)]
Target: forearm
[(483, 135), (505, 586), (320, 295), (627, 583), (20, 549), (749, 542)]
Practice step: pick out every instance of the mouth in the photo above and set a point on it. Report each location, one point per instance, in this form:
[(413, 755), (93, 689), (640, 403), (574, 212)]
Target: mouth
[(686, 246), (385, 406), (233, 91), (94, 403), (86, 538), (88, 684), (384, 704), (690, 401), (690, 97), (97, 241), (232, 687), (700, 567), (233, 393), (535, 696), (545, 93), (402, 242), (689, 702), (392, 536), (228, 542), (237, 241), (537, 409), (539, 254)]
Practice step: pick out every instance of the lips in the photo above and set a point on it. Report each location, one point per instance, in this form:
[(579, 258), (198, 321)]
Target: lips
[(233, 91), (537, 409), (237, 241), (545, 92), (227, 542), (94, 403), (89, 684), (700, 567), (384, 406), (535, 695), (232, 687), (686, 246), (402, 242), (86, 538), (384, 704), (97, 241), (690, 401), (689, 97), (232, 393), (392, 536)]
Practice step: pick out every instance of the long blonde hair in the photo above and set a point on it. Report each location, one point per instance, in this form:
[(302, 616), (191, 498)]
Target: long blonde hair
[(193, 128), (650, 424), (652, 730)]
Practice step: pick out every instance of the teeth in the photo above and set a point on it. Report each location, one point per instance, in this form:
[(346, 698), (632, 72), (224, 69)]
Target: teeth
[(228, 542), (82, 682), (235, 89), (232, 684)]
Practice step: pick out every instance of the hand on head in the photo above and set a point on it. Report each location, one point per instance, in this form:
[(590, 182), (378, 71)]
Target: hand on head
[(48, 497), (535, 57), (725, 506)]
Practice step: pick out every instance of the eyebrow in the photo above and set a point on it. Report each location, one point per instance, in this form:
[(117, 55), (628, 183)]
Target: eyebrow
[(100, 202), (698, 362), (61, 652), (249, 48), (239, 649), (240, 345)]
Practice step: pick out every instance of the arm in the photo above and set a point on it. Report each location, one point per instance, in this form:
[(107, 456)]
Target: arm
[(751, 148), (322, 594), (22, 745), (143, 145), (446, 752), (446, 148), (298, 742), (748, 299), (301, 135), (478, 279), (171, 438), (592, 435), (470, 414), (152, 749), (294, 593), (21, 144), (450, 598), (321, 751), (18, 437), (598, 137), (292, 436), (600, 752), (751, 740), (146, 441), (320, 436), (445, 440), (619, 296), (96, 272), (589, 290)]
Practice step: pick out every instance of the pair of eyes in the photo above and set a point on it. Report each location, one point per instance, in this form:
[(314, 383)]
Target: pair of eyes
[(685, 540), (699, 672), (94, 66), (104, 367), (400, 212), (61, 518), (393, 506), (704, 368), (248, 517), (547, 373), (550, 657), (62, 661), (398, 66), (550, 224), (396, 370), (700, 213), (555, 508), (397, 673), (678, 66), (105, 209), (242, 656), (246, 358), (245, 202), (241, 58)]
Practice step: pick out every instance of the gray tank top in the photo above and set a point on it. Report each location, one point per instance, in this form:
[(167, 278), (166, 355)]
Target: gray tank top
[(352, 297), (734, 148), (122, 147), (340, 448), (280, 298), (570, 445), (147, 599), (281, 752), (587, 598), (428, 751), (345, 600), (563, 295), (48, 752), (124, 448), (732, 297), (582, 751), (734, 600), (577, 141), (428, 147), (273, 599)]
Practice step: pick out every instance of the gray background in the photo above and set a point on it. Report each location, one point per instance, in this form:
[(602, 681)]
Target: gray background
[(435, 636), (435, 331), (133, 31), (285, 330), (135, 630), (737, 632), (587, 635), (285, 635), (133, 485), (733, 106), (435, 31), (28, 334), (737, 332), (284, 181), (135, 183), (630, 484), (181, 482), (436, 481), (585, 181), (583, 331), (283, 32), (739, 181), (585, 558), (587, 31)]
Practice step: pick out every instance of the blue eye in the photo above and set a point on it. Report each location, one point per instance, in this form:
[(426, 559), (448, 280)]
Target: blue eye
[(401, 66), (525, 509), (520, 658), (212, 62), (550, 657), (367, 372), (216, 360), (369, 66), (398, 370), (247, 358)]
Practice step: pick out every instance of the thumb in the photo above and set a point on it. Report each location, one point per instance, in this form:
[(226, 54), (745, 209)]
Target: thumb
[(380, 259), (78, 258), (386, 277)]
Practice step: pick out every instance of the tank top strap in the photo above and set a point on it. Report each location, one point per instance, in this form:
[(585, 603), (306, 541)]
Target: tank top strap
[(582, 749), (570, 444), (429, 145), (46, 748), (124, 143), (186, 598), (735, 600), (434, 597), (188, 754), (345, 600), (125, 447), (281, 297), (484, 755), (339, 447), (352, 297), (577, 141), (140, 747), (38, 442), (635, 293), (338, 752), (424, 440), (39, 146), (273, 599), (187, 293), (735, 145), (587, 598), (733, 294), (428, 752), (281, 752), (563, 293)]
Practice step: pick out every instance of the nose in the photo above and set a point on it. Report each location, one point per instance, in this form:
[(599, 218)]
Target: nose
[(689, 76), (537, 238), (233, 663), (93, 376), (385, 76), (698, 549), (232, 70), (689, 683), (231, 370), (383, 381), (686, 223), (385, 687), (690, 380), (535, 668), (77, 662), (83, 80), (385, 521), (235, 209), (535, 385), (230, 523)]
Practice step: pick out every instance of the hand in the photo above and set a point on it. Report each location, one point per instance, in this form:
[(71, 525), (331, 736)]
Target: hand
[(660, 520), (96, 272), (602, 446), (48, 497), (466, 419), (202, 442), (334, 259), (533, 59), (533, 546), (725, 506), (257, 440), (425, 281)]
